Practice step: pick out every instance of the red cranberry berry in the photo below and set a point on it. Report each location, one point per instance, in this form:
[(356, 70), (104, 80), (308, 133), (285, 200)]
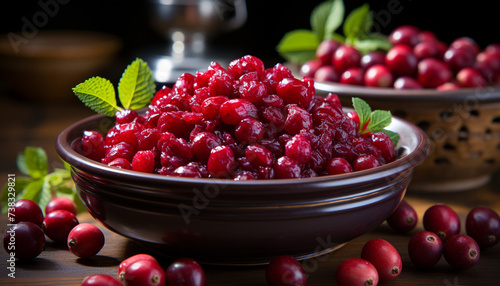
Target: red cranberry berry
[(298, 149), (427, 49), (425, 249), (210, 107), (365, 162), (310, 67), (488, 64), (285, 271), (85, 240), (346, 57), (26, 210), (383, 142), (384, 257), (326, 73), (406, 82), (61, 203), (338, 165), (461, 251), (433, 73), (352, 76), (325, 51), (295, 91), (459, 58), (442, 220), (483, 225), (144, 273), (100, 280), (203, 143), (92, 145), (131, 260), (234, 110), (466, 43), (121, 163), (286, 168), (249, 130), (356, 271), (245, 65), (470, 77), (24, 240), (406, 35), (126, 116), (258, 155), (378, 76), (221, 161), (371, 59), (404, 218), (144, 161), (401, 60), (58, 224), (185, 272)]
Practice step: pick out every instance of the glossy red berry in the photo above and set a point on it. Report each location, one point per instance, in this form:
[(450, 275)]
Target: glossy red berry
[(234, 110), (286, 168), (425, 249), (144, 161), (131, 260), (371, 59), (326, 73), (85, 240), (297, 119), (442, 220), (249, 130), (92, 145), (404, 218), (406, 82), (466, 43), (470, 77), (61, 203), (427, 49), (378, 76), (310, 67), (461, 251), (406, 35), (144, 273), (295, 91), (346, 57), (401, 60), (185, 272), (352, 76), (285, 270), (100, 280), (24, 240), (459, 58), (365, 162), (483, 225), (221, 161), (384, 256), (433, 73), (356, 271), (58, 224), (325, 51), (338, 165), (298, 149), (26, 210)]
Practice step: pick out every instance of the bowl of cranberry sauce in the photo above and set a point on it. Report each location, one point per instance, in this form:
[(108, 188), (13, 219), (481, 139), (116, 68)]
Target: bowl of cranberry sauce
[(228, 176), (450, 90)]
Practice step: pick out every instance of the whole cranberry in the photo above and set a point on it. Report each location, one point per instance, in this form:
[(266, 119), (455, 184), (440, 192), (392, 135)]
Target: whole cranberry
[(326, 73), (100, 280), (185, 272), (131, 260), (338, 165), (493, 48), (85, 240), (383, 142), (384, 256), (352, 76), (126, 116), (249, 130), (234, 110), (433, 73), (459, 58), (299, 149), (297, 119), (488, 64), (345, 57), (285, 270), (404, 218), (466, 43), (286, 168), (470, 77), (406, 35), (461, 251), (406, 82), (203, 143), (442, 220), (144, 161), (483, 225), (427, 49), (401, 60), (26, 210), (365, 162), (92, 145), (325, 51), (58, 224), (310, 67), (61, 203), (424, 36), (372, 58), (356, 271), (221, 161), (425, 249), (378, 76), (448, 86), (24, 240), (144, 273), (295, 91)]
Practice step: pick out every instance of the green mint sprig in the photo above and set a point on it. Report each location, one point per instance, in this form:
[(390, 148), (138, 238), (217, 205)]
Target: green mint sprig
[(135, 90), (373, 121), (37, 183), (299, 46)]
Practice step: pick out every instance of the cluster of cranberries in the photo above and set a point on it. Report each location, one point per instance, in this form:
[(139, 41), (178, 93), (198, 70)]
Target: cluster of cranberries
[(441, 235), (25, 239), (144, 270), (243, 123), (417, 59)]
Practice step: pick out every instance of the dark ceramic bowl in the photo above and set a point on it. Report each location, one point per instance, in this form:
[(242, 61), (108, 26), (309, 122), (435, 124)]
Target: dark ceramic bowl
[(241, 222), (463, 127)]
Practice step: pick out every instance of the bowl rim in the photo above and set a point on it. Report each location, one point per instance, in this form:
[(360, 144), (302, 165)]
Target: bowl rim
[(80, 162), (483, 94)]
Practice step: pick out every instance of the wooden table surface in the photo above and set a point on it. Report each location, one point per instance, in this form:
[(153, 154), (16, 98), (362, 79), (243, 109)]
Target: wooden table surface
[(25, 123)]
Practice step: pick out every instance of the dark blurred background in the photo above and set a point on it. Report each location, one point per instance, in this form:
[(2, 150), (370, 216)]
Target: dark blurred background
[(25, 122)]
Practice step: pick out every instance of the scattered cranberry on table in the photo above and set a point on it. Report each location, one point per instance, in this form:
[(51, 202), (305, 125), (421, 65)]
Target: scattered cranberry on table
[(100, 280), (404, 218), (25, 240), (26, 210), (356, 271), (144, 273), (483, 225), (461, 251), (442, 220), (61, 203), (58, 224), (85, 240), (285, 270), (384, 257), (185, 272), (425, 249)]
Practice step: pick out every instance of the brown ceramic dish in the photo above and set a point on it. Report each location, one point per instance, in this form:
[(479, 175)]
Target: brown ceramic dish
[(241, 222), (463, 126)]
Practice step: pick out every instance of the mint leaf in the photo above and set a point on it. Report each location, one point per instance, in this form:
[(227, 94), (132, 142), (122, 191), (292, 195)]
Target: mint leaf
[(136, 87), (326, 18), (372, 43), (298, 46), (32, 190), (393, 135), (379, 120), (99, 94), (363, 110), (21, 164), (358, 23), (35, 161)]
